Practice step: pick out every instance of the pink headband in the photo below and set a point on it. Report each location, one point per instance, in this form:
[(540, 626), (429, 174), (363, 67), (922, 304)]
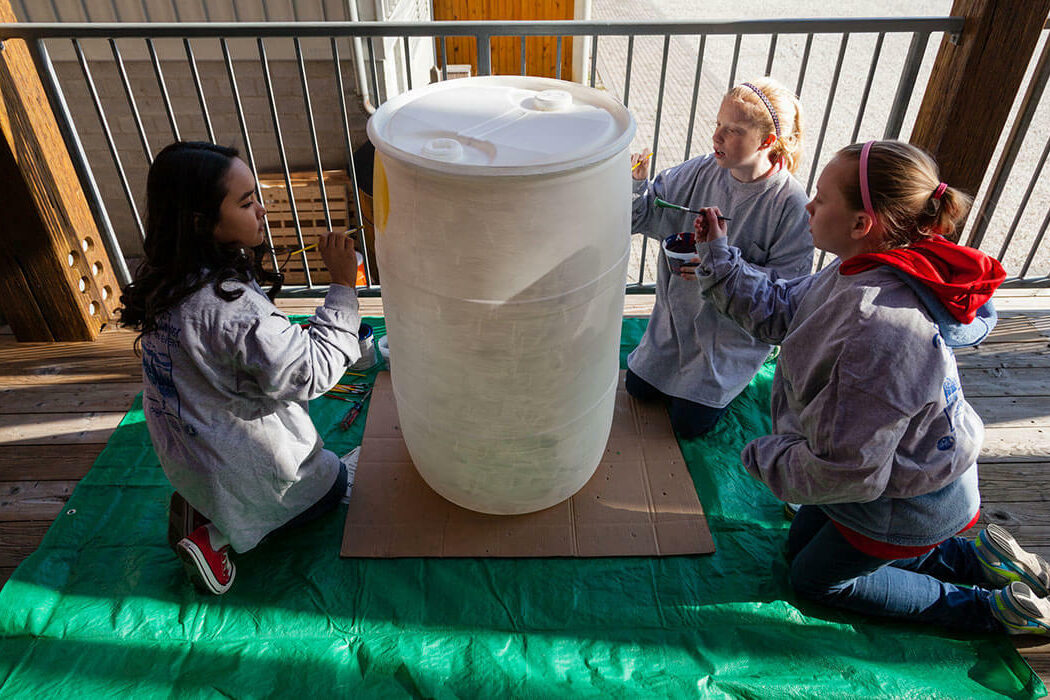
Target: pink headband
[(940, 190), (864, 195)]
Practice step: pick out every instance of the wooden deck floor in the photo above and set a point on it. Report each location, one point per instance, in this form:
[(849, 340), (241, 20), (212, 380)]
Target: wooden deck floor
[(59, 403)]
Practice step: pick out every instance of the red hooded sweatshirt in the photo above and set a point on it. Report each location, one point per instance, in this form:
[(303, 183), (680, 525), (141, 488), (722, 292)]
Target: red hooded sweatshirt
[(963, 278)]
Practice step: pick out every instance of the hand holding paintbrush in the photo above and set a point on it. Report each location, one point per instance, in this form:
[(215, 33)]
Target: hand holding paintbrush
[(709, 225), (640, 165), (337, 251), (349, 232)]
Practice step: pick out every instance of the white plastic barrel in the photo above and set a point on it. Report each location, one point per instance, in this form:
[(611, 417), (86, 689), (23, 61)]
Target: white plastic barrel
[(502, 213)]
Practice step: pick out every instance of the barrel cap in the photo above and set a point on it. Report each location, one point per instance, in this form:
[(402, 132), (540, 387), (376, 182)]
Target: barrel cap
[(502, 125)]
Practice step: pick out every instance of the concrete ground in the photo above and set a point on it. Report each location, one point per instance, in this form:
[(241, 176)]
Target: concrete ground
[(830, 118)]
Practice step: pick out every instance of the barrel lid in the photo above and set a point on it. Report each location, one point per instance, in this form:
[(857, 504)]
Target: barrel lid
[(502, 125)]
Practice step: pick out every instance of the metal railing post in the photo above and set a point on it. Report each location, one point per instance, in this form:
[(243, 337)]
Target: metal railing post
[(484, 47), (906, 85)]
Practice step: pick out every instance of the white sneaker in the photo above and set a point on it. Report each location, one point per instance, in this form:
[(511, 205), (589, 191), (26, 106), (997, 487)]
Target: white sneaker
[(1021, 611), (1004, 561)]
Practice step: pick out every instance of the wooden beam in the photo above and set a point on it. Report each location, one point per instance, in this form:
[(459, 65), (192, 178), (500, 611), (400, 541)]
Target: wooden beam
[(58, 282), (973, 85)]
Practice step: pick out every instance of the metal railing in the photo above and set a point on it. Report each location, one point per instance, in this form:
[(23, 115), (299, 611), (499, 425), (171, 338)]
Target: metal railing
[(665, 72)]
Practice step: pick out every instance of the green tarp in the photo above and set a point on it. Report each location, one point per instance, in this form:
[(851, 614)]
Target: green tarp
[(103, 608)]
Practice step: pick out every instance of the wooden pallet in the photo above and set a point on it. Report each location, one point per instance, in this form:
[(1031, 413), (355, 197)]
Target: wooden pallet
[(310, 208)]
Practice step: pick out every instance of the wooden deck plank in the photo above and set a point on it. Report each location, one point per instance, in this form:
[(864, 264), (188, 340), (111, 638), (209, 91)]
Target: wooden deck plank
[(108, 359), (1010, 482), (1012, 355), (33, 500), (63, 398), (58, 428), (1012, 411), (1029, 520), (1011, 444), (46, 462), (16, 538), (1003, 381)]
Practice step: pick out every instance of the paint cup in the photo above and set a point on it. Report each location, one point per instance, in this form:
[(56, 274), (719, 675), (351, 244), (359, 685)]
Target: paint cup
[(361, 281), (383, 345), (680, 248), (366, 342)]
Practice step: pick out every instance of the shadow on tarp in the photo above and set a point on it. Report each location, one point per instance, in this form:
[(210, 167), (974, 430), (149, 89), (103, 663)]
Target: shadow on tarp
[(719, 660), (103, 605)]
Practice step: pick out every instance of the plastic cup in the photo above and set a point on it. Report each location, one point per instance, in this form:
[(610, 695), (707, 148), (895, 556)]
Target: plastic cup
[(680, 249), (383, 345), (361, 280), (366, 341)]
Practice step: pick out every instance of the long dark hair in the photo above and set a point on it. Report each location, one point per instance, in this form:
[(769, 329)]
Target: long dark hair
[(185, 189)]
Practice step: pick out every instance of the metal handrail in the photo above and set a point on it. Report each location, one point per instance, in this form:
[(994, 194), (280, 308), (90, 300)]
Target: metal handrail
[(252, 30)]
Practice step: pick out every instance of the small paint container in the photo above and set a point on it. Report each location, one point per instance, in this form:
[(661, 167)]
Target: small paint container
[(680, 249), (366, 341)]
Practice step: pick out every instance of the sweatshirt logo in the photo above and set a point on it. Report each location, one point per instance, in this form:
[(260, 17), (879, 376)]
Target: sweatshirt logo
[(951, 398)]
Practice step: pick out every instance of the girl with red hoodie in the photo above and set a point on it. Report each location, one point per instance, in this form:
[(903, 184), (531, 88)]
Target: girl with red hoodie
[(871, 432)]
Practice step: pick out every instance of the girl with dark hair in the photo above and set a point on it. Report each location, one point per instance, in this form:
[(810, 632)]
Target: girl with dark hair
[(871, 431), (227, 376)]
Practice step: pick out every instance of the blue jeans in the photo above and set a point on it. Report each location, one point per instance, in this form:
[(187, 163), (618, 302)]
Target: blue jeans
[(327, 503), (827, 569), (688, 418)]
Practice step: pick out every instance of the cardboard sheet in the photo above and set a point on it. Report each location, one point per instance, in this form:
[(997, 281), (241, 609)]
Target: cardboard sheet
[(641, 501)]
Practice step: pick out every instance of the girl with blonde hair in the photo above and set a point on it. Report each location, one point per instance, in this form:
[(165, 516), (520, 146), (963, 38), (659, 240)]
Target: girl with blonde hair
[(692, 357)]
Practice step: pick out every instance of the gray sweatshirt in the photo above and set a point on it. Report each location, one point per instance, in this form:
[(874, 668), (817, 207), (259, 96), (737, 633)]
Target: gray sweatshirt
[(225, 400), (869, 418), (689, 350)]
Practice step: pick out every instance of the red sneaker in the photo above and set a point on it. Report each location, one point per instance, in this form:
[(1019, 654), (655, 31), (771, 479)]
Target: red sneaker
[(182, 520), (210, 570)]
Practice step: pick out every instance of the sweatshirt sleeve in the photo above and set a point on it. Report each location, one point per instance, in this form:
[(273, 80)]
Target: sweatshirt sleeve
[(843, 454), (762, 306), (672, 185), (298, 363), (643, 213)]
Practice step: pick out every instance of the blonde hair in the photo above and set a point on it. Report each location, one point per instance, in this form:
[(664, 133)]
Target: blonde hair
[(787, 149), (902, 181)]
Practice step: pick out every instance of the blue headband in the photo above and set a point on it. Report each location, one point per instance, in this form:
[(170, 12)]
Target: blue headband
[(768, 104)]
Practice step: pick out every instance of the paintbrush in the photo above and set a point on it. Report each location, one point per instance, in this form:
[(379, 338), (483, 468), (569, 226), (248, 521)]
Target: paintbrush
[(350, 232), (647, 157), (667, 205)]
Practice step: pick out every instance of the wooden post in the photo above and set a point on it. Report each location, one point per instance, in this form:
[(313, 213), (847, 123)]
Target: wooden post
[(973, 84), (56, 281)]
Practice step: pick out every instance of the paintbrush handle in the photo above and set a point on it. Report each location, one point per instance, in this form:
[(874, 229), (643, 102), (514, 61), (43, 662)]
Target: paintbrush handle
[(350, 232), (667, 205), (303, 250)]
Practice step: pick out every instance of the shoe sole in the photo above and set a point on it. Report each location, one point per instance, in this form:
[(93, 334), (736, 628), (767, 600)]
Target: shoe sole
[(1005, 548), (1019, 604), (197, 568)]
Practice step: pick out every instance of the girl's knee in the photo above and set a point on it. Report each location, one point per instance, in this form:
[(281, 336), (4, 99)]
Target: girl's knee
[(809, 585), (641, 389)]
